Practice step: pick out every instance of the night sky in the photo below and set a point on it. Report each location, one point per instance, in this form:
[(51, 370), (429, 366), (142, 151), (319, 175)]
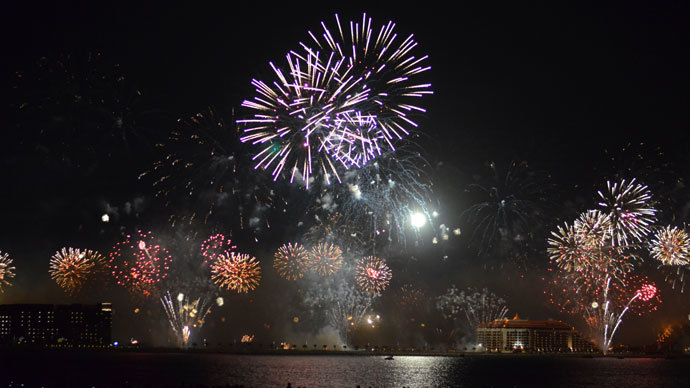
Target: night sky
[(579, 93)]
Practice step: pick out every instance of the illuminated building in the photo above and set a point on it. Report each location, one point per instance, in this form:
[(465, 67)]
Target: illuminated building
[(510, 335), (47, 324)]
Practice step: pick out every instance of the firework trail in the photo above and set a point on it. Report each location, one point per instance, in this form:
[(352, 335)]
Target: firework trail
[(73, 268), (6, 271), (291, 261), (202, 178), (325, 259), (185, 314), (606, 312), (469, 308), (630, 209), (336, 109), (372, 275), (215, 245), (236, 271), (138, 263)]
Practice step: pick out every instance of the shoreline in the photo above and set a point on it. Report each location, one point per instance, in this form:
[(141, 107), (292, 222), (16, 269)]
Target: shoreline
[(352, 353)]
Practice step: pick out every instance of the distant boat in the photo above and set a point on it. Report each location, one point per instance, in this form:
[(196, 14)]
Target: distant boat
[(388, 358)]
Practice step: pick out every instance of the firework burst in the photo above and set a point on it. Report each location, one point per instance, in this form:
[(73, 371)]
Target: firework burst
[(325, 259), (73, 268), (138, 263), (290, 261), (236, 271), (6, 271), (631, 212), (372, 274), (215, 245), (671, 246), (334, 107)]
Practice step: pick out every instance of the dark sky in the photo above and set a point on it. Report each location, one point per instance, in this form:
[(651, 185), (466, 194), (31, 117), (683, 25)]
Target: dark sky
[(555, 85)]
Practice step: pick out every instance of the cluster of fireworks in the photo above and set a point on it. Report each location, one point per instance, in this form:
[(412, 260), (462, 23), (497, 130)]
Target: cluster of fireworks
[(293, 260), (236, 271), (469, 308), (594, 258), (670, 246)]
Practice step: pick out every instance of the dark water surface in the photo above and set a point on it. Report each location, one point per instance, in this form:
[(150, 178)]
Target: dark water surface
[(94, 369)]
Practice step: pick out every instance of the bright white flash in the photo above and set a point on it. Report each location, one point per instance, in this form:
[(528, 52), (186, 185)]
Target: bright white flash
[(418, 219)]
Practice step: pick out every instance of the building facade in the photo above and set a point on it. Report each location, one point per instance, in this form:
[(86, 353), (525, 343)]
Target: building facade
[(511, 335), (64, 325)]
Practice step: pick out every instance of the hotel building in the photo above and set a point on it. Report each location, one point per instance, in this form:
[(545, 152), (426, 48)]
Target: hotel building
[(511, 335), (46, 324)]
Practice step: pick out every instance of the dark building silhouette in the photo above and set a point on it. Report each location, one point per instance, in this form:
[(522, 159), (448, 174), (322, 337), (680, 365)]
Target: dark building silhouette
[(65, 325), (509, 335)]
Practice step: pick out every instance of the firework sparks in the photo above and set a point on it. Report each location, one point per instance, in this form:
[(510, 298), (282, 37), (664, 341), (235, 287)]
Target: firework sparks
[(201, 176), (671, 246), (325, 259), (336, 107), (469, 308), (372, 274), (630, 210), (236, 271), (291, 260), (215, 245), (72, 268), (185, 314), (508, 207), (6, 271), (139, 263)]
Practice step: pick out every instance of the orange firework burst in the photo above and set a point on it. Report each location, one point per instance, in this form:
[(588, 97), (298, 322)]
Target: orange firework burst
[(138, 263), (291, 260), (372, 274), (72, 268), (236, 271), (326, 258), (6, 271)]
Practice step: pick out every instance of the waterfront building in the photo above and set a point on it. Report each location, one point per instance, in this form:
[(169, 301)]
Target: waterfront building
[(65, 325), (515, 335)]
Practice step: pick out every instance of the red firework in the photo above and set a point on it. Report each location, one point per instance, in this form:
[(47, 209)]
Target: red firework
[(138, 263), (215, 245)]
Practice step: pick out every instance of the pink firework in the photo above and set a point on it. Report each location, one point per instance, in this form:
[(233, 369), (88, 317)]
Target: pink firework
[(138, 263), (647, 292), (215, 245)]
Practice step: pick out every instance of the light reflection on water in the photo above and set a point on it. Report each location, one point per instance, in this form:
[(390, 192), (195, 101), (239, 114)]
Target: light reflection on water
[(55, 369)]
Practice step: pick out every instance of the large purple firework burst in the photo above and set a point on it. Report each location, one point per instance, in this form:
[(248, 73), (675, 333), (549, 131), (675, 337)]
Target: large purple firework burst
[(341, 103)]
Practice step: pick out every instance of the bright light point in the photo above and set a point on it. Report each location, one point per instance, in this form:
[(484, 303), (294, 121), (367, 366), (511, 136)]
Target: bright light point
[(220, 301), (369, 321), (105, 218), (142, 245), (180, 297), (456, 231), (595, 305), (418, 219), (434, 214), (115, 343), (434, 240)]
